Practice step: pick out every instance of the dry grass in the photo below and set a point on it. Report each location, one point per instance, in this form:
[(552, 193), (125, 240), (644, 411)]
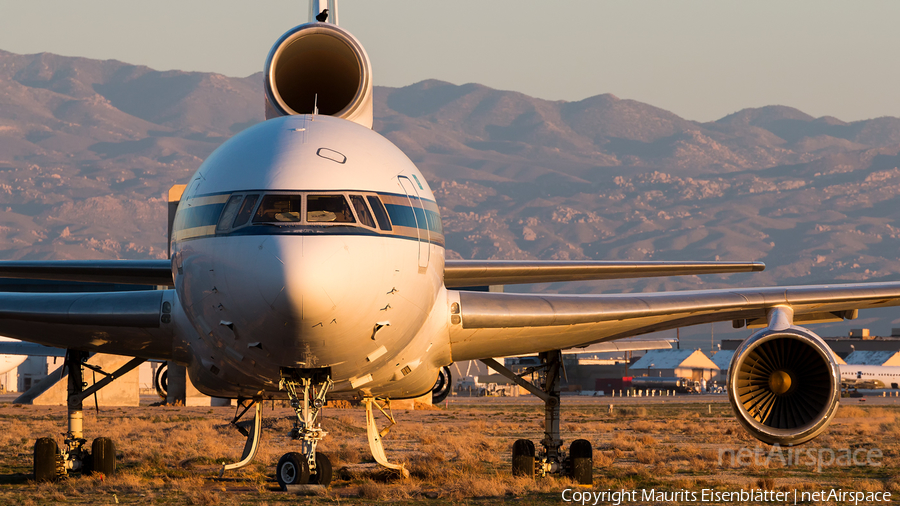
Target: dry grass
[(766, 483), (172, 455), (647, 456)]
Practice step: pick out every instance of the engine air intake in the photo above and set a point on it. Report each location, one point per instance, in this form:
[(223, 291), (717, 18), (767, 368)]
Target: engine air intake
[(319, 67), (784, 385)]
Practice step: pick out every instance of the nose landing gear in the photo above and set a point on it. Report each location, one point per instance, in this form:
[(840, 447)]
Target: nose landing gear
[(306, 389)]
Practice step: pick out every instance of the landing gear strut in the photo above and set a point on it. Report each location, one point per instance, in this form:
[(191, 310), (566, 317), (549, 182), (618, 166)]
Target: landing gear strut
[(577, 463), (51, 463), (306, 389)]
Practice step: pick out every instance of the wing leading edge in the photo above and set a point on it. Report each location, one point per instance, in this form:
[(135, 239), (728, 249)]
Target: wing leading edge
[(501, 324), (129, 272), (461, 273)]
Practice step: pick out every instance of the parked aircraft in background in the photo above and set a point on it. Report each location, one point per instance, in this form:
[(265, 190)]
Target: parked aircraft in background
[(308, 263), (870, 376), (10, 362), (682, 385)]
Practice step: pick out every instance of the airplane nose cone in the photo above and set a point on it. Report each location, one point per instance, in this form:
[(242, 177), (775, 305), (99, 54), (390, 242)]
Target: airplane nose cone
[(314, 280)]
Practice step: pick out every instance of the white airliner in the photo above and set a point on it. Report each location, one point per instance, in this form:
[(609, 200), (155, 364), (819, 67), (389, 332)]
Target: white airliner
[(871, 376), (308, 263), (10, 362)]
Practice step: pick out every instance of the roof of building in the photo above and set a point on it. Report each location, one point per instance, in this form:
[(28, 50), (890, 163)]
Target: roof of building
[(723, 358), (671, 359), (873, 358)]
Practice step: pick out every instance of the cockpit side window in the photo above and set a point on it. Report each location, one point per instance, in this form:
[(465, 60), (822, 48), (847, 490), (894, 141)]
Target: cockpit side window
[(231, 210), (362, 210), (246, 210), (279, 209), (328, 209), (380, 212)]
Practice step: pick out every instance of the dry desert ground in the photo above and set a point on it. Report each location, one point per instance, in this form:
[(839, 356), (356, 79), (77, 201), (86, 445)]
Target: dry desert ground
[(457, 453)]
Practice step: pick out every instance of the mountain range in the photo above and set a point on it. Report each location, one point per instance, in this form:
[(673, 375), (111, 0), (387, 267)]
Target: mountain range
[(88, 149)]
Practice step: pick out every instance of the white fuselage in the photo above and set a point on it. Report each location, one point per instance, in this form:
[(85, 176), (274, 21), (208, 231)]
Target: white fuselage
[(886, 375), (366, 302)]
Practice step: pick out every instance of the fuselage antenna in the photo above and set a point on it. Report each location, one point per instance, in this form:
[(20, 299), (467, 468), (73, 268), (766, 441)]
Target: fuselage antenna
[(316, 104)]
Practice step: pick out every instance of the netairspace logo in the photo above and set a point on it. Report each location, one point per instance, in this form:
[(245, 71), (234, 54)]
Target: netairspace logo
[(817, 458), (706, 495)]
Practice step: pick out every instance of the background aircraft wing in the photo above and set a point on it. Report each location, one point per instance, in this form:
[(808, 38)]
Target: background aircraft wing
[(462, 273), (137, 323), (500, 324), (627, 344), (38, 350), (130, 272)]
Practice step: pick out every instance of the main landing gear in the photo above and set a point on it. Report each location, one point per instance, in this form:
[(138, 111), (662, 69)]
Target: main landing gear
[(577, 463), (306, 389), (52, 463)]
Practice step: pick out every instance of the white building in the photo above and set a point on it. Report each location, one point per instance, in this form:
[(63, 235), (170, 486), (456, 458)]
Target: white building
[(688, 364)]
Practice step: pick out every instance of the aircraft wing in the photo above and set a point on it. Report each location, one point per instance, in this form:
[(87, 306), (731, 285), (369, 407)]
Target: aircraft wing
[(137, 324), (627, 344), (130, 272), (38, 350), (462, 273), (485, 325)]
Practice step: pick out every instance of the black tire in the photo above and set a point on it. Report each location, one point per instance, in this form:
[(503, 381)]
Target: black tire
[(523, 458), (442, 386), (292, 469), (323, 473), (161, 381), (103, 456), (46, 454), (87, 464), (581, 456)]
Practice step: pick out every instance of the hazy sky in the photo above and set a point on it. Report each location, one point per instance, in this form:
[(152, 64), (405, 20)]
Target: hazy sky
[(699, 59)]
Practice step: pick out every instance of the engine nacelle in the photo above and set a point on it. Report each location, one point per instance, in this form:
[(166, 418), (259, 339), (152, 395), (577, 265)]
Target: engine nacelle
[(784, 385), (319, 66)]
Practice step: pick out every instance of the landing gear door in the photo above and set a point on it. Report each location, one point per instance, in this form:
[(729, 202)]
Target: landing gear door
[(415, 203)]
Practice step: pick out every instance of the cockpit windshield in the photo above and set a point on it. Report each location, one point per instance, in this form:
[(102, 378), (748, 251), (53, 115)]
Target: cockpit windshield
[(279, 209), (302, 209), (362, 211), (305, 213), (328, 209)]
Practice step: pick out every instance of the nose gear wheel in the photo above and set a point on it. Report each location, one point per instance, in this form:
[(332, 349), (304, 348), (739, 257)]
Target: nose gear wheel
[(306, 389)]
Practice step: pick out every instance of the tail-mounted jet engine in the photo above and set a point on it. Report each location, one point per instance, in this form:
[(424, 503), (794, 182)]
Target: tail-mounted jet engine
[(319, 68), (784, 385)]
